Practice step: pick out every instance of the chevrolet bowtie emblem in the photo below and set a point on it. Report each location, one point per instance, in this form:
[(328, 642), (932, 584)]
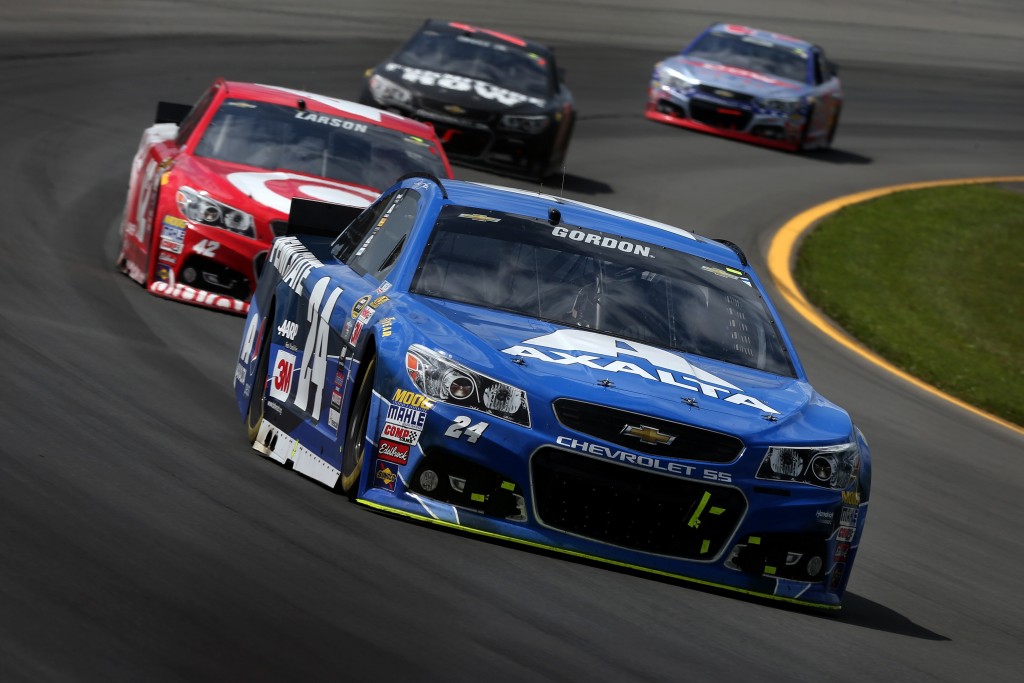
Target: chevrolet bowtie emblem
[(648, 434), (454, 109)]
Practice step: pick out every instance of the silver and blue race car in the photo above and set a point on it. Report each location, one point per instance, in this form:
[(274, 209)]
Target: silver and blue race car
[(553, 373), (752, 85)]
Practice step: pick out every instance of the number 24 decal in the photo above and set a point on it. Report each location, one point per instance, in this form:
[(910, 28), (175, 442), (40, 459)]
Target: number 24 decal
[(460, 424)]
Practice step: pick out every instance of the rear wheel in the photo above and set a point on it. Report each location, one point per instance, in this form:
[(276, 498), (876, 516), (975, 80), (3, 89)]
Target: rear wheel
[(258, 397), (832, 128), (356, 433)]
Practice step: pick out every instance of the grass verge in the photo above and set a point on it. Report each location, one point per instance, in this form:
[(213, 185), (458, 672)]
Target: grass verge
[(932, 280)]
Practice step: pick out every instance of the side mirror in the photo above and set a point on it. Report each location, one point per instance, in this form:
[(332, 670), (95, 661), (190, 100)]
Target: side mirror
[(169, 112)]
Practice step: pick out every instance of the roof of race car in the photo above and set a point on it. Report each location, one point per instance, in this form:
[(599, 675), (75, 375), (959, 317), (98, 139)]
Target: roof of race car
[(589, 216), (761, 34), (459, 27), (325, 105)]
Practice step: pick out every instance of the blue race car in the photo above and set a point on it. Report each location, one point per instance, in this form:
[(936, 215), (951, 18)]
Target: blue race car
[(553, 373), (751, 85)]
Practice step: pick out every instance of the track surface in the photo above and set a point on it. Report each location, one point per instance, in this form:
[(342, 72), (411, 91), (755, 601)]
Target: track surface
[(140, 539)]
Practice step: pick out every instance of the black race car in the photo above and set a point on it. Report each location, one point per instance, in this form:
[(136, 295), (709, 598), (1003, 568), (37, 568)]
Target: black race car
[(495, 100)]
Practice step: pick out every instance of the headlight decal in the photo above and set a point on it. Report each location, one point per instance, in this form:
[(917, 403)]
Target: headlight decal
[(531, 125), (199, 207), (831, 467), (445, 380)]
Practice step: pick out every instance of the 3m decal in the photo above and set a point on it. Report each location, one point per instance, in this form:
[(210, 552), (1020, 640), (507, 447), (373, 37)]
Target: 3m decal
[(385, 475), (461, 425), (314, 355), (397, 453), (206, 248), (596, 351), (283, 371)]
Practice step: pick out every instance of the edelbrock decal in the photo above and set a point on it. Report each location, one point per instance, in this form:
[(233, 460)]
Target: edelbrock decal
[(593, 350)]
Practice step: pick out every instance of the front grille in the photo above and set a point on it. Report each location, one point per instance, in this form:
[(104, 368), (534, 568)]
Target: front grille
[(632, 508), (462, 142), (466, 116), (209, 275), (719, 116), (725, 94), (608, 424)]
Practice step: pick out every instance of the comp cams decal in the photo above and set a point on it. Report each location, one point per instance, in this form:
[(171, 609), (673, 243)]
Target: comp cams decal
[(603, 352)]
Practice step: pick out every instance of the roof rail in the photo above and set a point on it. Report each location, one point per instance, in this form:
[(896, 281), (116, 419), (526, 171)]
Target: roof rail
[(735, 247), (428, 176)]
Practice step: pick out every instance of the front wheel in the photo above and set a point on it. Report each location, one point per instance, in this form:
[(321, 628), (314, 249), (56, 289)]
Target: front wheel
[(356, 434)]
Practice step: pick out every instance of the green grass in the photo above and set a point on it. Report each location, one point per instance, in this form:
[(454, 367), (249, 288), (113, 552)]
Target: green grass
[(933, 280)]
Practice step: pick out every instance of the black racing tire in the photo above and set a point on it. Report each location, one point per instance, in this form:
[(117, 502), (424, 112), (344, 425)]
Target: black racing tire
[(806, 129), (258, 397), (353, 453), (833, 127)]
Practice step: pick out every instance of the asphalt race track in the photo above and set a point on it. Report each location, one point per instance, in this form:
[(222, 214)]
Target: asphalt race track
[(141, 539)]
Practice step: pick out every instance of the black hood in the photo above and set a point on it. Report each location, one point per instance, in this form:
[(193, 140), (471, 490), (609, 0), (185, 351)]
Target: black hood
[(463, 91)]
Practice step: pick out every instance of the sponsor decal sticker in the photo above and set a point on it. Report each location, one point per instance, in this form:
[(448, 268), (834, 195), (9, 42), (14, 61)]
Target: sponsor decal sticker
[(851, 497), (365, 315), (171, 246), (378, 301), (163, 273), (607, 353), (413, 399), (646, 461), (288, 330), (334, 413), (842, 550), (174, 222), (824, 516), (406, 416), (385, 327), (385, 475), (358, 306), (846, 533), (384, 286), (240, 373), (357, 329), (293, 261), (172, 233), (401, 433), (168, 258), (849, 516), (391, 451), (283, 369)]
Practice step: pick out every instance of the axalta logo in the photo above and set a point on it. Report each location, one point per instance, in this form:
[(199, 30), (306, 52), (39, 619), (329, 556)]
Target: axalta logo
[(602, 241), (642, 460), (592, 350)]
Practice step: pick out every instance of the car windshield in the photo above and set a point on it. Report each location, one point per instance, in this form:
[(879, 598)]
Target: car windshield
[(276, 137), (496, 62), (752, 54), (602, 282)]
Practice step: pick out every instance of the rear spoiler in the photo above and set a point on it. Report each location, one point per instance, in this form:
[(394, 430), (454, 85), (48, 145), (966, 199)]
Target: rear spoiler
[(314, 217), (170, 112)]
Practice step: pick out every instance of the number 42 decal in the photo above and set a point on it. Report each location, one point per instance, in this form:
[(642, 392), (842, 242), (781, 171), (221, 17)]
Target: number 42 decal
[(460, 424)]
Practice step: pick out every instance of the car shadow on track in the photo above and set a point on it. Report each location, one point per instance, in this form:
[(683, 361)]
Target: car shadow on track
[(556, 184), (837, 156), (859, 611)]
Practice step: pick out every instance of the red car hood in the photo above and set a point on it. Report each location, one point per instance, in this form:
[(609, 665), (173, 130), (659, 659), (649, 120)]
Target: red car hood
[(266, 194)]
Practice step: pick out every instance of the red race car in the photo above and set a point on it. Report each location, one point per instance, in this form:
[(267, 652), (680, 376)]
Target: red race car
[(211, 185)]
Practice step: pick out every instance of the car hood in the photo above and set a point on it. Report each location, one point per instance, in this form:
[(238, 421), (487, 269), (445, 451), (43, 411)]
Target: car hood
[(735, 79), (255, 190), (555, 361), (462, 91)]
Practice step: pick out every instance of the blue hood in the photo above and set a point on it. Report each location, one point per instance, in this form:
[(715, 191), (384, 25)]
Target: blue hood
[(560, 361)]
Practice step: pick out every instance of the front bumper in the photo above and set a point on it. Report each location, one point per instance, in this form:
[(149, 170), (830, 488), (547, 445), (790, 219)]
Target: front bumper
[(736, 119), (707, 525)]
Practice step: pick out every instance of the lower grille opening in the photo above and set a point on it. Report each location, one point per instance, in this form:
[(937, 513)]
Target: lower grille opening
[(456, 481), (206, 274), (800, 557), (633, 508), (718, 116)]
